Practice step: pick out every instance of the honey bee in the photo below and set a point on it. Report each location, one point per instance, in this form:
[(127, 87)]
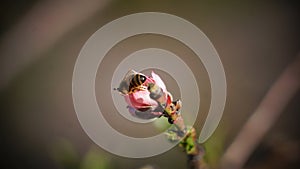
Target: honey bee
[(132, 82)]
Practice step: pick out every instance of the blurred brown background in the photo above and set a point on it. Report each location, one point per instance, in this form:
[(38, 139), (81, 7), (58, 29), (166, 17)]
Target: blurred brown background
[(39, 44)]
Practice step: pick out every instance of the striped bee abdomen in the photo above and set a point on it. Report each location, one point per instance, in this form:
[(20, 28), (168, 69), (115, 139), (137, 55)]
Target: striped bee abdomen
[(132, 82), (136, 81)]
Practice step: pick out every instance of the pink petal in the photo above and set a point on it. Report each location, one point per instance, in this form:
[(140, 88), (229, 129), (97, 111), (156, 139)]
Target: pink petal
[(158, 81), (143, 115), (149, 80), (140, 99)]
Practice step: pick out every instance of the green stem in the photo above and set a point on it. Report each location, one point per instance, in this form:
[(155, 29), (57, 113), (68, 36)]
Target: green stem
[(187, 135)]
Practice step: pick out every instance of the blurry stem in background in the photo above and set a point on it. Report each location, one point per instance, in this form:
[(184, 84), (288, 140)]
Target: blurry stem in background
[(38, 30), (263, 118)]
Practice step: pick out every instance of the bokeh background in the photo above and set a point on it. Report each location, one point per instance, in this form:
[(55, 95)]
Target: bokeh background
[(39, 44)]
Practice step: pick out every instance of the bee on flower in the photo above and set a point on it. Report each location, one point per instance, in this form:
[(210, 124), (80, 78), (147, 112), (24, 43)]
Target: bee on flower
[(147, 96)]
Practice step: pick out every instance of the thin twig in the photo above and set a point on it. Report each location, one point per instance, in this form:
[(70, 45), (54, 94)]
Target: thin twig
[(186, 134)]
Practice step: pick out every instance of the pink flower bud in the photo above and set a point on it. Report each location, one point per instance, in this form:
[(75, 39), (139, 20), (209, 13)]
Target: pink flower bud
[(141, 101)]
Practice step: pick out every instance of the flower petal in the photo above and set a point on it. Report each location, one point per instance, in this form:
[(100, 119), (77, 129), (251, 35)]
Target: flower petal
[(140, 100), (158, 81)]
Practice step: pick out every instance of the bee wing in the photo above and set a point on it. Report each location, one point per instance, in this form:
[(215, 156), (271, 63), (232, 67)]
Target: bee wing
[(124, 84), (129, 75)]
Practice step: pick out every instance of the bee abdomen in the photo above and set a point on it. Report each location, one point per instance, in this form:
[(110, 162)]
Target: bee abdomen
[(137, 80)]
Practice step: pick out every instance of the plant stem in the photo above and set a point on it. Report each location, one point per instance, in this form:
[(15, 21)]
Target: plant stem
[(187, 135)]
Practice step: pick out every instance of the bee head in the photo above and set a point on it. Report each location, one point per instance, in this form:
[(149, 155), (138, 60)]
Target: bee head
[(143, 78)]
